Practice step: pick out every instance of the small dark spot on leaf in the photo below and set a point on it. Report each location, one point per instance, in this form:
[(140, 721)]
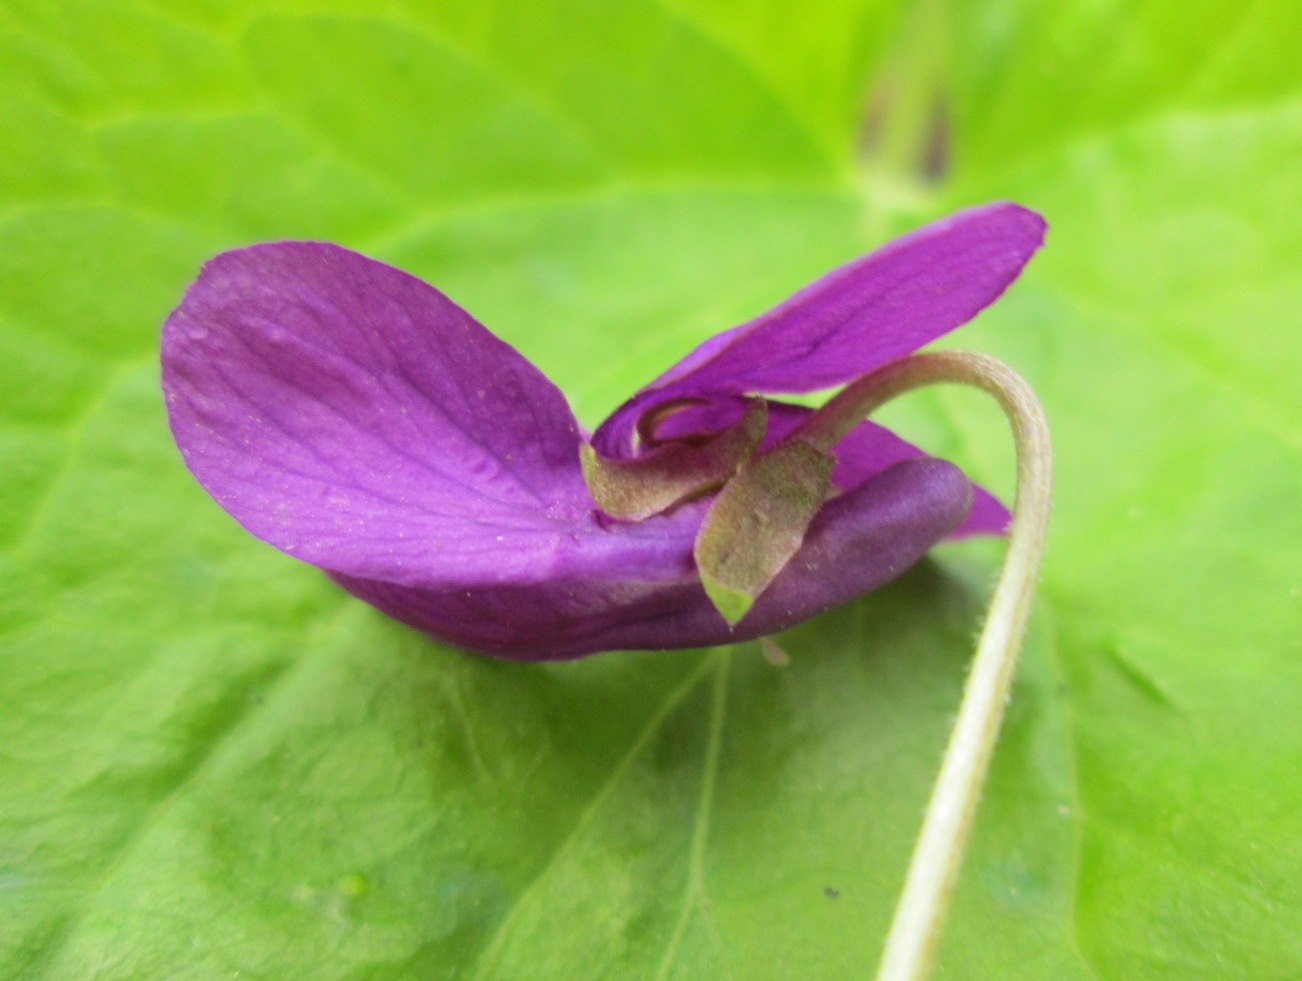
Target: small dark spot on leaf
[(831, 892)]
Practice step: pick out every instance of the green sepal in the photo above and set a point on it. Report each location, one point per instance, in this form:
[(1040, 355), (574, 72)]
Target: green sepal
[(732, 603), (758, 522)]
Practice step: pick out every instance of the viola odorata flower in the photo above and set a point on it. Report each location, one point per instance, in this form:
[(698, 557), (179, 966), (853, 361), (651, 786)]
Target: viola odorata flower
[(356, 418)]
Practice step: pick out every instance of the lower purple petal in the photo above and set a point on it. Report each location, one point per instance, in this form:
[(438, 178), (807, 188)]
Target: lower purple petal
[(860, 540), (987, 516)]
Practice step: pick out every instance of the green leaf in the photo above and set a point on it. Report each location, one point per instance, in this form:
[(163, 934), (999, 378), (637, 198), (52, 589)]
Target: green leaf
[(213, 763)]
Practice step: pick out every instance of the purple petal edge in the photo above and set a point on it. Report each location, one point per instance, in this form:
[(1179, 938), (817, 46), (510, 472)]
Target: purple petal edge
[(881, 306)]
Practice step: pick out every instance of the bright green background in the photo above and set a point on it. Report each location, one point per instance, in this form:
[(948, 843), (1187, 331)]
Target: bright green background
[(213, 764)]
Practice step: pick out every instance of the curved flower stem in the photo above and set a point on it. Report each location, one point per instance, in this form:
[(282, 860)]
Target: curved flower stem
[(938, 853)]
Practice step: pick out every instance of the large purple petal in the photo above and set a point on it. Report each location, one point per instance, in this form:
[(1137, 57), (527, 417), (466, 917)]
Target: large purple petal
[(352, 415), (856, 318), (858, 541)]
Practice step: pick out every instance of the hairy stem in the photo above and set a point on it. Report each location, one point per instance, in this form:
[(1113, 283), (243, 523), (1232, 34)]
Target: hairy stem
[(911, 943)]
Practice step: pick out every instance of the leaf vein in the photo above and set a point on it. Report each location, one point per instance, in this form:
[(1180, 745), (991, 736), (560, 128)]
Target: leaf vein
[(695, 898), (61, 931), (496, 945)]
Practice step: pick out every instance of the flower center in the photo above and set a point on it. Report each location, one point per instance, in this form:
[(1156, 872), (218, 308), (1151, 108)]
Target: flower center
[(694, 446), (671, 470)]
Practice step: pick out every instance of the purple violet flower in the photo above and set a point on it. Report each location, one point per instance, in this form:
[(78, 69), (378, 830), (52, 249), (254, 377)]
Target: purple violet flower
[(356, 418)]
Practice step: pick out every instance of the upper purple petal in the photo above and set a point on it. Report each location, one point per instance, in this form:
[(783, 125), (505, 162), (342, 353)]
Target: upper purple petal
[(357, 418), (856, 318)]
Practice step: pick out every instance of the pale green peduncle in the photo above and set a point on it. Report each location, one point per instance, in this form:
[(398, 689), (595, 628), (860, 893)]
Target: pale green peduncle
[(910, 945)]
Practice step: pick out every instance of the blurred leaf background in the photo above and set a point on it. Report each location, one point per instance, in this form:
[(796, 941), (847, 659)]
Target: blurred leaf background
[(213, 764)]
